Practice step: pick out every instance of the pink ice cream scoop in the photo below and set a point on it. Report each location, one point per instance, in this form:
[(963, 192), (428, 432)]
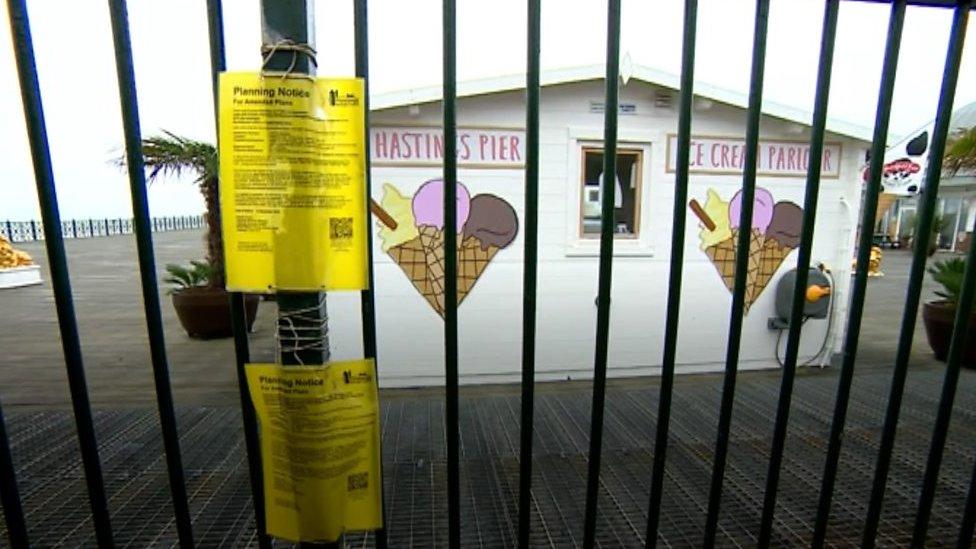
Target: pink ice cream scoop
[(428, 204), (762, 210)]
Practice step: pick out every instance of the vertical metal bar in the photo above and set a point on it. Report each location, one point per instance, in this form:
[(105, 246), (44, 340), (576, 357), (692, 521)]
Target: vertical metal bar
[(10, 231), (238, 313), (819, 124), (529, 267), (13, 511), (242, 354), (450, 273), (964, 308), (677, 264), (930, 190), (741, 267), (60, 280), (33, 225), (873, 188), (91, 228), (147, 269), (367, 300), (606, 263), (968, 516), (74, 229)]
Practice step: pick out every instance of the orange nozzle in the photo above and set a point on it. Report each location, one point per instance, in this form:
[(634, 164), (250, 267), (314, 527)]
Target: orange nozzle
[(816, 293)]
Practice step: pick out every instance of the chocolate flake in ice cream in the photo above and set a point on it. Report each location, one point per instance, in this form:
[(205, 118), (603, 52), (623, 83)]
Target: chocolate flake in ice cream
[(492, 221), (786, 224)]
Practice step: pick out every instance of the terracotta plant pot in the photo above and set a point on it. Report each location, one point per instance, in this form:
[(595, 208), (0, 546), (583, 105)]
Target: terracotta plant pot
[(205, 312), (938, 317)]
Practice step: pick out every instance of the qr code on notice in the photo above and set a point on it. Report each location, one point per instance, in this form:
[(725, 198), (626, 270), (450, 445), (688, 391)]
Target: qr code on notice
[(357, 481), (340, 228)]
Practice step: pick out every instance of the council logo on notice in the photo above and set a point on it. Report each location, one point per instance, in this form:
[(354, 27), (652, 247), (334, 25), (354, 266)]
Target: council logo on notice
[(342, 100)]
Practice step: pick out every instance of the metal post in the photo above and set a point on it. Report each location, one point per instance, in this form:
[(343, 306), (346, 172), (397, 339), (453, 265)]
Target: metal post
[(532, 90), (741, 267), (238, 312), (940, 431), (13, 511), (34, 230), (612, 82), (859, 287), (74, 229), (129, 104), (677, 263), (306, 311), (819, 124), (933, 174), (367, 301), (10, 231), (30, 92), (449, 104)]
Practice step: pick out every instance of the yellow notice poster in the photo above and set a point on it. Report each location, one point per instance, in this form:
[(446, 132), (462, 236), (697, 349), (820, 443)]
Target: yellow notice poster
[(292, 192), (320, 442)]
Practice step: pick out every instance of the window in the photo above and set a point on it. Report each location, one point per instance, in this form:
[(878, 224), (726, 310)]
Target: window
[(626, 210)]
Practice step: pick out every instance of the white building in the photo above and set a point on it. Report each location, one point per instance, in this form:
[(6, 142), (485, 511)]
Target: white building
[(491, 117), (956, 205)]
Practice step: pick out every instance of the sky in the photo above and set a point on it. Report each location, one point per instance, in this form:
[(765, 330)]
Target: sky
[(73, 47)]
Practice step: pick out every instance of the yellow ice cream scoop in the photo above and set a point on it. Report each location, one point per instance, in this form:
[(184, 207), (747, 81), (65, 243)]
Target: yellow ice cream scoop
[(395, 215), (714, 217)]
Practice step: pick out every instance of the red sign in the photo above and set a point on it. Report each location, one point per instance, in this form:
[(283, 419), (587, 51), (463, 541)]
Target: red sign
[(898, 169)]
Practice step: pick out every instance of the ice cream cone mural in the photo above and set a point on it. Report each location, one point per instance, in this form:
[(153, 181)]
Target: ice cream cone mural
[(412, 234), (775, 233)]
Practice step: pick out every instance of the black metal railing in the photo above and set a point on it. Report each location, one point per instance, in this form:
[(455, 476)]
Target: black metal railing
[(33, 230), (143, 226)]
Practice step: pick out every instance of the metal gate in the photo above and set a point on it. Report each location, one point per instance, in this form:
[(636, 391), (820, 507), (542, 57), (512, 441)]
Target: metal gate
[(288, 20)]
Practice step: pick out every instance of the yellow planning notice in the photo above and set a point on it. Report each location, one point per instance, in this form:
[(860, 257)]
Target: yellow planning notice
[(292, 173), (320, 443)]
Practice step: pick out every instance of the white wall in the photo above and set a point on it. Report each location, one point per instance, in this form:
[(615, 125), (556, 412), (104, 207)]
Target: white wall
[(410, 333)]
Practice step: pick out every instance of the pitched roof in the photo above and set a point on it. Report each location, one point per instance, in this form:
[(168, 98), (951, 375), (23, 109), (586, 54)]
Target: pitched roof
[(628, 71)]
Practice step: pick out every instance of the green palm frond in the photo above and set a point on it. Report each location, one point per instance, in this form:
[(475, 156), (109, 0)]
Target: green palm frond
[(171, 154), (949, 274), (198, 274), (961, 151)]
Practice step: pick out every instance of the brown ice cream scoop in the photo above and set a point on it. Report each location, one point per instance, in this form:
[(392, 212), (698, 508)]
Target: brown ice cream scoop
[(786, 224), (492, 221)]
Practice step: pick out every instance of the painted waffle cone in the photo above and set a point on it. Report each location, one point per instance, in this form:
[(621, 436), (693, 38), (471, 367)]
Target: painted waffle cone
[(723, 258), (432, 240), (472, 261), (412, 258), (770, 258)]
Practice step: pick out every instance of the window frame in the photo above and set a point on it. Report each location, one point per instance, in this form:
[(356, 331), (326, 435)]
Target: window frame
[(638, 177)]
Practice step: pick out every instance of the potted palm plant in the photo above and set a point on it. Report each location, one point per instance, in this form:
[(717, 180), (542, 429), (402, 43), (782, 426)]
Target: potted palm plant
[(939, 315), (202, 303)]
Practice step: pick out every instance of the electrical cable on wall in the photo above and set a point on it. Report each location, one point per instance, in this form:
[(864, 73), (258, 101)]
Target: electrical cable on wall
[(787, 290)]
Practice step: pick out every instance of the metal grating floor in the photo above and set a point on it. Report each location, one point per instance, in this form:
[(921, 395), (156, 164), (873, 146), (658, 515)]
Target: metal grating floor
[(54, 495)]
